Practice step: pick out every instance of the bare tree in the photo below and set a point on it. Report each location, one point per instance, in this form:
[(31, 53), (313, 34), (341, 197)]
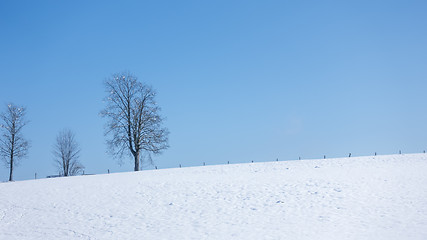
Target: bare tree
[(66, 152), (134, 120), (13, 146)]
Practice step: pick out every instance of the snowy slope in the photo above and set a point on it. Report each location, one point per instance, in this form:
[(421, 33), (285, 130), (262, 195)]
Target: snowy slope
[(382, 197)]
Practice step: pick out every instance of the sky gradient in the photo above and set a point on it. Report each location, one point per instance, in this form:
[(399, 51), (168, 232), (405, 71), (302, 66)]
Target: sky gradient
[(238, 81)]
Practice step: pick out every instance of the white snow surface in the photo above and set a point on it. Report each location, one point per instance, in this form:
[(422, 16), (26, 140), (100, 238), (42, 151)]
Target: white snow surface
[(377, 197)]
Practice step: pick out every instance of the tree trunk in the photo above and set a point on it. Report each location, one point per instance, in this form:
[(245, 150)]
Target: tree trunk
[(11, 168), (136, 156), (65, 168), (12, 151)]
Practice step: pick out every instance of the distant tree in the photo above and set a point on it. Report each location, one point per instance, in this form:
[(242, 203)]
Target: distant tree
[(66, 154), (134, 121), (13, 146)]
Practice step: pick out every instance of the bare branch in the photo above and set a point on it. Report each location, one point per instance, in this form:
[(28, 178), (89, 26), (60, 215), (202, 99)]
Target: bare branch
[(66, 154), (13, 146), (134, 121)]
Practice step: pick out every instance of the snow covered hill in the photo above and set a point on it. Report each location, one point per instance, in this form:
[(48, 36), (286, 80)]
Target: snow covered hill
[(381, 197)]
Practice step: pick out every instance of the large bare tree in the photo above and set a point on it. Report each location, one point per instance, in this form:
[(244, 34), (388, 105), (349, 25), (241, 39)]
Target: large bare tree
[(134, 121), (13, 146), (66, 152)]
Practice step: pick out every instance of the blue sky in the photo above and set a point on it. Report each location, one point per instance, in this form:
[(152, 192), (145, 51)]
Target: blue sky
[(237, 80)]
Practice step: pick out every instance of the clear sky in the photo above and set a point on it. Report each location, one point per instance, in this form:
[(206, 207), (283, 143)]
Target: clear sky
[(237, 80)]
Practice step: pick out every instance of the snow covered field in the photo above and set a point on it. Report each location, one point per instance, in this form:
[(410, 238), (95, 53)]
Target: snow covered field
[(382, 197)]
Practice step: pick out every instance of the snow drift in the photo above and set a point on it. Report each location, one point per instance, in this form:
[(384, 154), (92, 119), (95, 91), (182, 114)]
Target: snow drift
[(381, 197)]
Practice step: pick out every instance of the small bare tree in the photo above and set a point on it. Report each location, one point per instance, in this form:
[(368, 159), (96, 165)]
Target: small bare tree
[(13, 146), (134, 120), (66, 152)]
